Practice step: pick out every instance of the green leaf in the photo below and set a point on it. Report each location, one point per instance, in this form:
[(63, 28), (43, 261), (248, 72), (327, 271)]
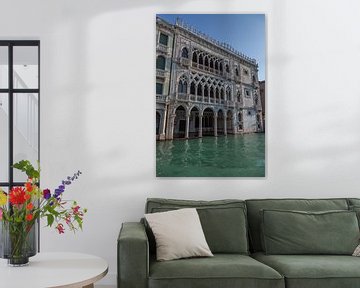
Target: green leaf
[(50, 219), (28, 168)]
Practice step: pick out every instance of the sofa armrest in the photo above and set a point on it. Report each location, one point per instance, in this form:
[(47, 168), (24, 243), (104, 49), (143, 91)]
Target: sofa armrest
[(133, 256)]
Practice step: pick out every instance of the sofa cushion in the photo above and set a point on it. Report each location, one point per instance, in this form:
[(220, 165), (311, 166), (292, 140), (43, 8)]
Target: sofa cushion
[(222, 270), (353, 201), (313, 271), (254, 216), (297, 232), (223, 221), (178, 234), (356, 209)]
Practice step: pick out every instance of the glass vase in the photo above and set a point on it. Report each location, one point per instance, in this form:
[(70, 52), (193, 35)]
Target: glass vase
[(18, 242)]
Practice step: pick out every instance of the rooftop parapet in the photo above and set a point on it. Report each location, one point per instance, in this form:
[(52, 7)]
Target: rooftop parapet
[(223, 45)]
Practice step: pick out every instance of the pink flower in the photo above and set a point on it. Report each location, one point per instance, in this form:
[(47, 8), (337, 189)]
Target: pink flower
[(68, 219), (60, 228), (76, 210), (1, 212)]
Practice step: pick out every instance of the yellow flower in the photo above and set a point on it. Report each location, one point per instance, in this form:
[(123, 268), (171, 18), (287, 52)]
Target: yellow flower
[(3, 198)]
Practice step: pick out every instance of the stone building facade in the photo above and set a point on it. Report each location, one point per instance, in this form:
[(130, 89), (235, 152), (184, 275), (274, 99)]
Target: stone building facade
[(262, 98), (203, 87)]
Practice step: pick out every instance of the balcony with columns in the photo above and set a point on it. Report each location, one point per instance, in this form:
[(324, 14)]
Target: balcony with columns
[(161, 73), (161, 98), (206, 100), (184, 61), (205, 68), (162, 48)]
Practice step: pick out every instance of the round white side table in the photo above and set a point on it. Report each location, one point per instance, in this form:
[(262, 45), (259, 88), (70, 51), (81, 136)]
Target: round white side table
[(50, 270)]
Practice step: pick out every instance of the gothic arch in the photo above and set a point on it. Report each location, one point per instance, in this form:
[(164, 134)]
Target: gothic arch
[(184, 52), (195, 57), (228, 93), (201, 59), (206, 61), (192, 88), (208, 121), (221, 122), (199, 90), (227, 69), (179, 122), (229, 121), (181, 106), (194, 121), (158, 122)]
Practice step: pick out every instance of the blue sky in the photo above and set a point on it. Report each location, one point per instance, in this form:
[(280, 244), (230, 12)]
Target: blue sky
[(244, 32)]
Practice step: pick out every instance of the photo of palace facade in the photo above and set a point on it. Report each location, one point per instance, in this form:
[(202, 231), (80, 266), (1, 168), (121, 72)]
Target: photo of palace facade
[(203, 87)]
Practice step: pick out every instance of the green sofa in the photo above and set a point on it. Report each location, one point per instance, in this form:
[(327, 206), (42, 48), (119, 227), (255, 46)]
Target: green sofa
[(234, 230)]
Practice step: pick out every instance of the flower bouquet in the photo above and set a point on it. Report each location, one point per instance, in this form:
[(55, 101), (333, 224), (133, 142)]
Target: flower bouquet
[(21, 208)]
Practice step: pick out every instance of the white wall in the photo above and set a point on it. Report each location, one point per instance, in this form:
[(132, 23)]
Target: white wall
[(98, 99)]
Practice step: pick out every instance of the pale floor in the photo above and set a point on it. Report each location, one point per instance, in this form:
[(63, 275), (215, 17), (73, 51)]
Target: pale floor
[(104, 286)]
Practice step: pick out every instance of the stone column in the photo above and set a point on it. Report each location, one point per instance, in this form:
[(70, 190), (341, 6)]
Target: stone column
[(261, 122), (234, 122), (200, 125), (187, 126), (215, 124), (225, 124), (163, 125), (202, 94), (171, 127)]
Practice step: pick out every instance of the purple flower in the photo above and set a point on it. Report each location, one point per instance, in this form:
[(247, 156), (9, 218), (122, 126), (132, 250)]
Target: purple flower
[(58, 192), (46, 194), (64, 183)]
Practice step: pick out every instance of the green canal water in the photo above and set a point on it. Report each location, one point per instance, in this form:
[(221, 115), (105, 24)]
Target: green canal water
[(223, 156)]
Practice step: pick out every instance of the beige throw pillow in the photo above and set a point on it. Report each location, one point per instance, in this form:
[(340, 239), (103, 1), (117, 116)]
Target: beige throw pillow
[(178, 234), (357, 251)]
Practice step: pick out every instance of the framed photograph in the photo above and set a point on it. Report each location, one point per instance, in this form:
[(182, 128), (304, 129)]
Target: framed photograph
[(210, 95)]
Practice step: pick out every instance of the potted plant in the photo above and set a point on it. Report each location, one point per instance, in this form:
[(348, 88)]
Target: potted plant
[(21, 208)]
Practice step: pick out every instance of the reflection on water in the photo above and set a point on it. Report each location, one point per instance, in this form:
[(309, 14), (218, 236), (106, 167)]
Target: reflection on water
[(226, 156)]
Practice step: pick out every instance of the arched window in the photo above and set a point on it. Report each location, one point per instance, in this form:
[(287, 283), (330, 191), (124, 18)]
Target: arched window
[(222, 94), (227, 68), (236, 71), (211, 92), (160, 62), (206, 61), (216, 65), (182, 88), (194, 57), (192, 88), (199, 90), (206, 91), (211, 63), (240, 116), (185, 53), (158, 118), (200, 59), (221, 67), (228, 94)]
